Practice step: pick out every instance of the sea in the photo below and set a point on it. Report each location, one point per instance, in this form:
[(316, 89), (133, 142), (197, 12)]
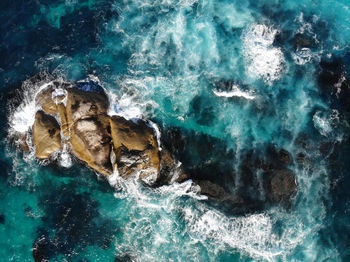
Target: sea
[(221, 80)]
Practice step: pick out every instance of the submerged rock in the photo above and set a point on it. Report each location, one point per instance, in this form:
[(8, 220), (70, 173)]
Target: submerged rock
[(43, 249), (280, 156), (280, 185), (217, 192), (334, 82), (170, 170), (135, 147), (211, 166), (89, 86), (46, 135)]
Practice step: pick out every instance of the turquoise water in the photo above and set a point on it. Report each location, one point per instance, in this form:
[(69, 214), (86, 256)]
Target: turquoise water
[(223, 80)]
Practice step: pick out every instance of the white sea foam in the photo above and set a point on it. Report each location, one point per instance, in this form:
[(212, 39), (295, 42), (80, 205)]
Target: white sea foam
[(325, 122), (234, 92), (59, 95), (126, 104), (254, 234), (156, 132), (321, 124), (22, 119), (262, 59), (65, 158), (302, 56)]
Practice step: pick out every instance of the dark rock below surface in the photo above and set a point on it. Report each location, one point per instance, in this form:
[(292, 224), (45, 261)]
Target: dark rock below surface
[(262, 178), (89, 86), (280, 186)]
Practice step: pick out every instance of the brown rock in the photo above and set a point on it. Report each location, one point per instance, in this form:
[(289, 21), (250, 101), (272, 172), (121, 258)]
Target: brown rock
[(170, 170), (280, 186), (46, 135), (135, 147), (91, 143), (85, 122), (22, 142), (88, 123), (82, 104), (44, 98), (182, 177)]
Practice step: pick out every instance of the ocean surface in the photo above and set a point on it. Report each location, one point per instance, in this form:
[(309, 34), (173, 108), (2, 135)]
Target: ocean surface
[(222, 79)]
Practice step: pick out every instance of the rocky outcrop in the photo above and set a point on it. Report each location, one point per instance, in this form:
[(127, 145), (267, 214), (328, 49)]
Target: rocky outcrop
[(22, 142), (46, 135), (87, 132), (131, 148), (91, 143), (44, 99), (84, 104), (86, 118), (135, 147), (170, 169)]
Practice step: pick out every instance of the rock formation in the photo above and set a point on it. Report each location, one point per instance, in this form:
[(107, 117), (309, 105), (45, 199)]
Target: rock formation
[(89, 133), (135, 147), (44, 98), (46, 135), (130, 147), (87, 121)]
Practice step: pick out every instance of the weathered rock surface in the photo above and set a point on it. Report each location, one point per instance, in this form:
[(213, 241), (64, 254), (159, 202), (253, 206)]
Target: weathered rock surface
[(87, 120), (44, 98), (74, 118), (135, 148), (46, 135), (170, 169), (91, 143), (83, 104)]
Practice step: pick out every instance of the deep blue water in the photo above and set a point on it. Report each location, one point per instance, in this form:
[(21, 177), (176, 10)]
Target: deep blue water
[(225, 81)]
